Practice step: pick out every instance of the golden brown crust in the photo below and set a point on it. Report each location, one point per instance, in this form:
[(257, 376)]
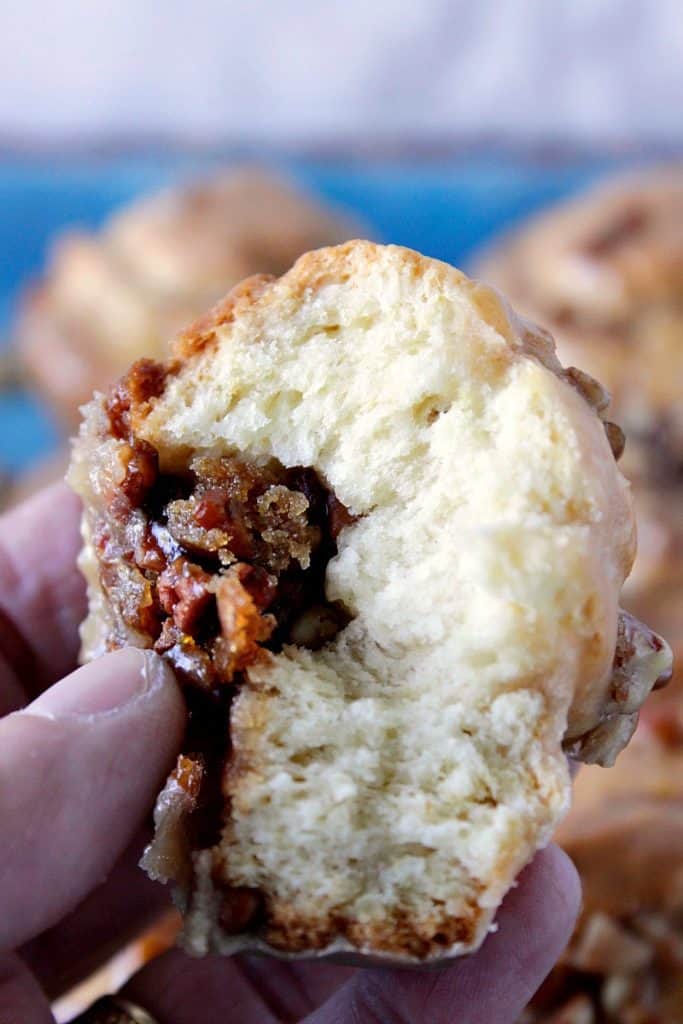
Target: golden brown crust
[(197, 336), (399, 934), (333, 264), (242, 622)]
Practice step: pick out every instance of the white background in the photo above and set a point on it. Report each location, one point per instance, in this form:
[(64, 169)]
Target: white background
[(313, 70)]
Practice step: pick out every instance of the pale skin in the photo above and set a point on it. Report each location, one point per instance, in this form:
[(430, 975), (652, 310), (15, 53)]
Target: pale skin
[(83, 753)]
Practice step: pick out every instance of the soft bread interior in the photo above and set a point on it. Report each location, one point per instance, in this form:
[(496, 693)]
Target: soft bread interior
[(390, 786)]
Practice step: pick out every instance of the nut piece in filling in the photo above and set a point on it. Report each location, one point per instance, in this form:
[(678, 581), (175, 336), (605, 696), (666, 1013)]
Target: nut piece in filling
[(381, 534)]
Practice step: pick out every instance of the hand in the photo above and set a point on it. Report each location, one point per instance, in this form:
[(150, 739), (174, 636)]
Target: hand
[(80, 763)]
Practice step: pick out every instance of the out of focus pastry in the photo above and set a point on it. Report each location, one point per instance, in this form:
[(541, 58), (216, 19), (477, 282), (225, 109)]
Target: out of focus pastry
[(625, 834), (108, 298), (604, 273)]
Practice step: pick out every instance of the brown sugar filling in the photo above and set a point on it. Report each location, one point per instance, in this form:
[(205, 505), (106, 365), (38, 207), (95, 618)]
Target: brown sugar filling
[(217, 563), (212, 567)]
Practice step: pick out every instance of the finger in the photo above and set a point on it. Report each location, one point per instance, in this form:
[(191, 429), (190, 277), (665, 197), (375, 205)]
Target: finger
[(21, 999), (42, 594), (79, 770), (109, 917), (237, 990), (534, 925)]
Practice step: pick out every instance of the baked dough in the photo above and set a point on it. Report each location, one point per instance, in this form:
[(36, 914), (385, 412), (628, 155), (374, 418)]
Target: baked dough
[(381, 534), (110, 298)]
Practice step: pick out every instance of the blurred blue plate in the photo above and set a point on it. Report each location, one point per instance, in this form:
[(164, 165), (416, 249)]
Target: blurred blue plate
[(445, 207)]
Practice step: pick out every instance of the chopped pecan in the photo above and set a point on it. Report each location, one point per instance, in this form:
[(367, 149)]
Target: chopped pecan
[(589, 388), (133, 594), (259, 584), (243, 627), (144, 380), (338, 516), (318, 624), (142, 468), (193, 664), (616, 438), (184, 593)]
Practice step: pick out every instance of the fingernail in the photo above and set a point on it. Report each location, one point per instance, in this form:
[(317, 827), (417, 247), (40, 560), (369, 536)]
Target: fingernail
[(105, 686)]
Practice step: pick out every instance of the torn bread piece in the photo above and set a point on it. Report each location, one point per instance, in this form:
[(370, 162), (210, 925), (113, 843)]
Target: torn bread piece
[(120, 294), (380, 533)]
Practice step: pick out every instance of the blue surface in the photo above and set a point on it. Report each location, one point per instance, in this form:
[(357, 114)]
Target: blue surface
[(445, 208)]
